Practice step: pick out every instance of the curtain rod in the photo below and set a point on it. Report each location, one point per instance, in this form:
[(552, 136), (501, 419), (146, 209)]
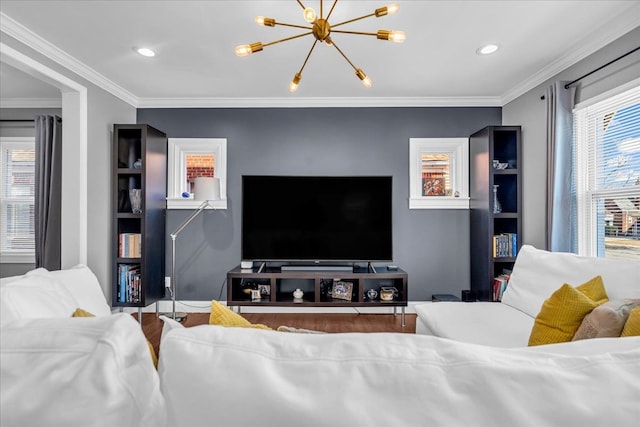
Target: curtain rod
[(568, 85), (17, 120), (601, 67)]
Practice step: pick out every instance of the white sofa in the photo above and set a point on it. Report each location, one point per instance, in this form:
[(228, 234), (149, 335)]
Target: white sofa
[(536, 275), (59, 371)]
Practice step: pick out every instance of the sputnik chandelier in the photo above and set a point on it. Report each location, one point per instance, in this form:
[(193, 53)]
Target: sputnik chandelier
[(322, 31)]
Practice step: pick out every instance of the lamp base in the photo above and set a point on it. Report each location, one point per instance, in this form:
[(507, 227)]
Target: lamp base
[(180, 315)]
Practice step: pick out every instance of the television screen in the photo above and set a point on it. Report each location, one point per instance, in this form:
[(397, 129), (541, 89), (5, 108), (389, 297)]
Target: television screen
[(314, 218)]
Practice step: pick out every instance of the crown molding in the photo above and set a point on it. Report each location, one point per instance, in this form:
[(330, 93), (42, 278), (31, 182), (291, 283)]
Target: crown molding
[(31, 103), (609, 32), (487, 101), (22, 34)]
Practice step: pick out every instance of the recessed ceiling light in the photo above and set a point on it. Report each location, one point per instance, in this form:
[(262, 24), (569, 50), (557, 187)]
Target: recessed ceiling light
[(487, 49), (145, 51)]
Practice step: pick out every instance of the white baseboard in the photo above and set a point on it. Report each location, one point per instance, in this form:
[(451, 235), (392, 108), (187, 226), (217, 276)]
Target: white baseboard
[(205, 307)]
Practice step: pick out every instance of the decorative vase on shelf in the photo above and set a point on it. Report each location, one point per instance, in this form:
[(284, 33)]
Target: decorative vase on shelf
[(137, 164), (497, 207), (298, 294), (135, 196)]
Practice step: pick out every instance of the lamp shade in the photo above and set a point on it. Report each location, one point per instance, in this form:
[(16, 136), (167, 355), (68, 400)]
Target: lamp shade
[(206, 188)]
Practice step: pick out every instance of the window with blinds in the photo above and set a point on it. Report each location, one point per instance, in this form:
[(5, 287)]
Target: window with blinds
[(17, 183), (607, 176)]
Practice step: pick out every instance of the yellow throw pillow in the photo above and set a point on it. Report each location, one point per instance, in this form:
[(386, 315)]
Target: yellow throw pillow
[(223, 316), (594, 290), (632, 326), (562, 313), (83, 313)]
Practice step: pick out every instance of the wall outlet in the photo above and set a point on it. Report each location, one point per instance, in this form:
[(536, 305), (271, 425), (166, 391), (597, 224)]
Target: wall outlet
[(167, 282)]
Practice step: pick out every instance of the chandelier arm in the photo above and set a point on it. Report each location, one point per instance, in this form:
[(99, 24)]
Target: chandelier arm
[(354, 32), (286, 39), (301, 5), (331, 10), (293, 25), (353, 20), (344, 56), (320, 9), (304, 64)]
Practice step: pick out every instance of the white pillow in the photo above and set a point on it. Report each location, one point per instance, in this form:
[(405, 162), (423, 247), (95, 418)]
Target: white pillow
[(214, 375), (83, 285), (538, 273), (93, 371), (35, 297), (168, 326)]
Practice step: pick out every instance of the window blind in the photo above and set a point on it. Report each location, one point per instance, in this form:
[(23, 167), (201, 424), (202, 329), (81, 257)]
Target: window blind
[(17, 191), (607, 176)]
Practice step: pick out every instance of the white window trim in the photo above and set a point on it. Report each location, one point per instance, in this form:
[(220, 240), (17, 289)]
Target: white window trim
[(179, 148), (458, 149), (586, 215), (18, 256)]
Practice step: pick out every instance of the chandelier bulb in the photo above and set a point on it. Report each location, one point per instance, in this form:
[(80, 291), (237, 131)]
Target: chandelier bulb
[(264, 21), (366, 81), (392, 8), (243, 50), (397, 36), (248, 49), (309, 15), (293, 86), (387, 10)]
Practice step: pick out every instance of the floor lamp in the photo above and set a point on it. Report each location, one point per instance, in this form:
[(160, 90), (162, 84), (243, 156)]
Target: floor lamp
[(206, 189)]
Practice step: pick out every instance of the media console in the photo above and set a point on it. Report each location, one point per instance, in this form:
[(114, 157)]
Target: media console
[(271, 286)]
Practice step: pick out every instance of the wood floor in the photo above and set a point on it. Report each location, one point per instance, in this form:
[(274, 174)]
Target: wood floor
[(326, 322)]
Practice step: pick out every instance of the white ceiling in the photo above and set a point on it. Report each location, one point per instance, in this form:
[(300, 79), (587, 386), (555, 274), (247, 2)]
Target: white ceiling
[(196, 64)]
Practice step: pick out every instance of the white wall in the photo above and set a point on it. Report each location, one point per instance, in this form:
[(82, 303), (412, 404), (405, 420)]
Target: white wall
[(529, 111), (103, 110)]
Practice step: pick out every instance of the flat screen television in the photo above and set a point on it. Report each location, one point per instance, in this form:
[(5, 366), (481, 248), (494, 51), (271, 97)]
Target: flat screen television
[(316, 218)]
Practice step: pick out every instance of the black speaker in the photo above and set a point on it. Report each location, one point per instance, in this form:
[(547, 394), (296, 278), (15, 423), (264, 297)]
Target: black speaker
[(468, 296)]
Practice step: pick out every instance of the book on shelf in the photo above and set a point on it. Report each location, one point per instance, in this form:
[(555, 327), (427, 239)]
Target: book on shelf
[(129, 283), (499, 286), (129, 245), (505, 245)]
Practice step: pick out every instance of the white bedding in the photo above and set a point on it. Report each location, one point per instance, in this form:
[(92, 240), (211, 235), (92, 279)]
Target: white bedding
[(486, 323), (78, 372), (244, 377)]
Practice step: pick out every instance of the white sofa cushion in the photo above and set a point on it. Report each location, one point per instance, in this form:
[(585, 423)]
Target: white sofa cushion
[(78, 372), (213, 375), (83, 285), (538, 273), (33, 297), (486, 323)]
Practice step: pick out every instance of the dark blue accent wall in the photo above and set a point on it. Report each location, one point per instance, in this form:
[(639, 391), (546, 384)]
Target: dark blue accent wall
[(431, 245)]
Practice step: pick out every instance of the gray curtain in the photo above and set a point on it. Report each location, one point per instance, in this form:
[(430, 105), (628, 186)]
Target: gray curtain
[(560, 201), (48, 189)]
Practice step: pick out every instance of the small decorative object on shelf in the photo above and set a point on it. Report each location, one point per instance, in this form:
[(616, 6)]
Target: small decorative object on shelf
[(255, 295), (372, 294), (265, 290), (500, 166), (388, 293), (297, 295), (135, 196), (497, 207), (137, 164), (342, 290), (247, 288)]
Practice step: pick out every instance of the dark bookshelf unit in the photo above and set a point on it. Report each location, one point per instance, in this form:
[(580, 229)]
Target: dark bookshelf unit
[(139, 162), (316, 285), (492, 256)]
